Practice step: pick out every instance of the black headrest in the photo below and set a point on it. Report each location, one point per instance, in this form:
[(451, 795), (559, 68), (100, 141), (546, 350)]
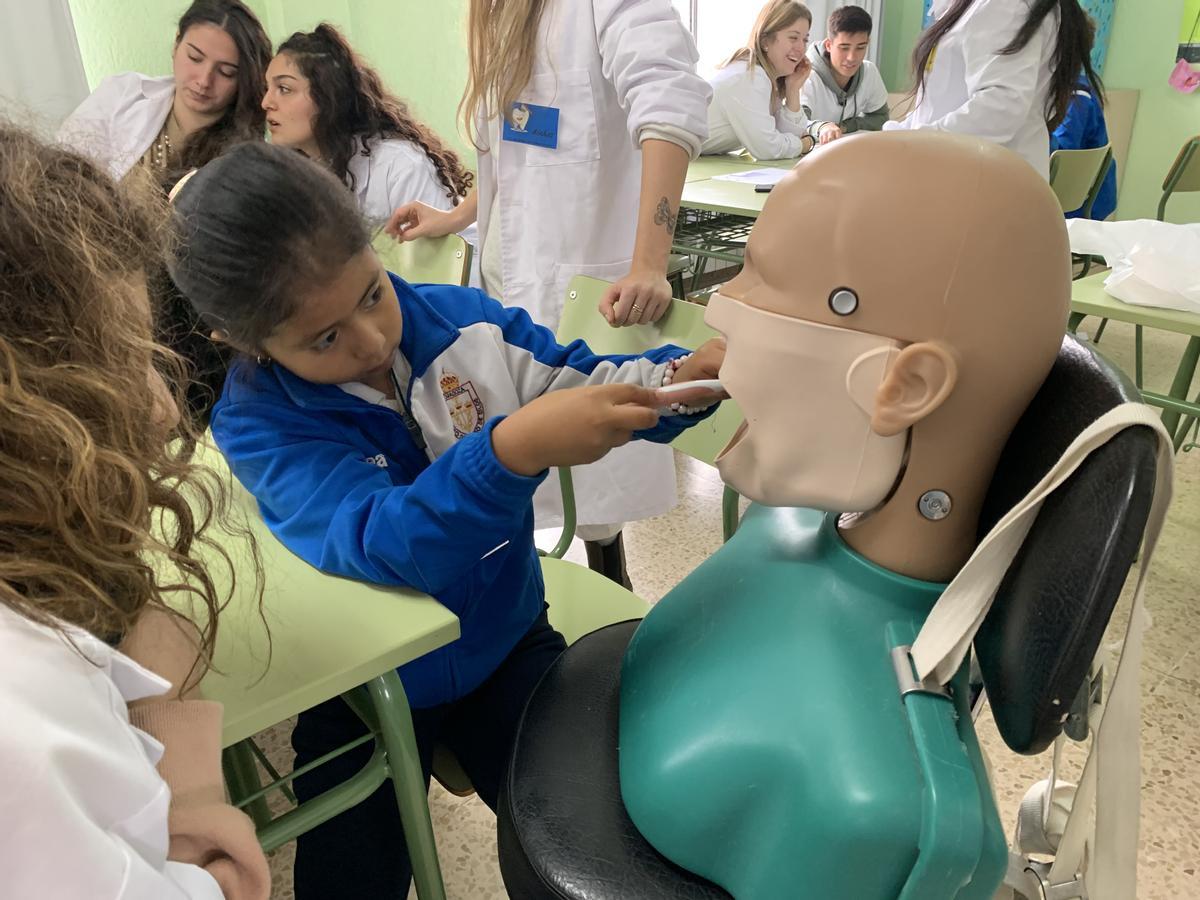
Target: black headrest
[(1053, 605)]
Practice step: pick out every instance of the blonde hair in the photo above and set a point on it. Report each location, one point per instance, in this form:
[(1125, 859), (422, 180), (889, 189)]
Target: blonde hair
[(92, 494), (501, 40), (772, 18)]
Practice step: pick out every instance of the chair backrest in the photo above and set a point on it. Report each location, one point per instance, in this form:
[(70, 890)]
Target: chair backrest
[(1043, 630), (682, 324), (1183, 176), (441, 260), (1076, 175)]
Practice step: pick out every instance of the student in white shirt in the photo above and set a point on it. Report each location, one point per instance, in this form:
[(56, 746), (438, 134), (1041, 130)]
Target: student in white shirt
[(845, 87), (325, 101), (756, 92), (180, 121), (1004, 70), (97, 672)]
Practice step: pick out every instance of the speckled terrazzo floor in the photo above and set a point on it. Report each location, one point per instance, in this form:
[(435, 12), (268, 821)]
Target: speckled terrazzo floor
[(663, 550)]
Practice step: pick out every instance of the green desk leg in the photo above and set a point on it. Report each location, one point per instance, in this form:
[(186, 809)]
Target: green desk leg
[(1182, 383), (1075, 321), (242, 778), (729, 511), (395, 724)]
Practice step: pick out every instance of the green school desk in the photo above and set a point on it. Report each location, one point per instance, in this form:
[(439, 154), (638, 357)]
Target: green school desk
[(328, 636), (716, 216), (1089, 299), (707, 166)]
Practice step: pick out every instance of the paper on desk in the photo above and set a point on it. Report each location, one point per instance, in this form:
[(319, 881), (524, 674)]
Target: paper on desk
[(1153, 263), (754, 176)]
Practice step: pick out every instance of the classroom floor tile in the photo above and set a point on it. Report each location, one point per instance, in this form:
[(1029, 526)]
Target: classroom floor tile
[(661, 551)]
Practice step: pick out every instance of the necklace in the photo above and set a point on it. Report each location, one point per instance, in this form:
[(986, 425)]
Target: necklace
[(160, 150)]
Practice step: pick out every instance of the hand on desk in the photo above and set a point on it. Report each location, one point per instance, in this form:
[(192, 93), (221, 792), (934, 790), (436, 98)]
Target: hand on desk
[(830, 131)]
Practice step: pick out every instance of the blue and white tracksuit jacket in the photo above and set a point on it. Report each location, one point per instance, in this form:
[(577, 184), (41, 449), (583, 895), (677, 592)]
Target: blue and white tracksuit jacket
[(343, 484)]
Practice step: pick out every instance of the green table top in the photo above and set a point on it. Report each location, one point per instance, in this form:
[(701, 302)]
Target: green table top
[(327, 634), (730, 197), (1088, 297), (707, 166)]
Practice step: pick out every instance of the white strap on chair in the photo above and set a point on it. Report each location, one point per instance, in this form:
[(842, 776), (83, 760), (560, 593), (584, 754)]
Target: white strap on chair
[(1113, 767)]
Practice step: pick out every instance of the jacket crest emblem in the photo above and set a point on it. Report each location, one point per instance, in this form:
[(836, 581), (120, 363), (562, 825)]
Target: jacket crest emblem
[(466, 409)]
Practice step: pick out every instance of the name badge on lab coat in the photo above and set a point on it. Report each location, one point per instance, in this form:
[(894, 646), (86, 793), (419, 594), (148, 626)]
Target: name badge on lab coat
[(530, 124)]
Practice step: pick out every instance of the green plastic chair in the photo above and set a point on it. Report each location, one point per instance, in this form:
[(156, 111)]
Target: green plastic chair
[(1076, 177), (441, 260), (1183, 176), (683, 324)]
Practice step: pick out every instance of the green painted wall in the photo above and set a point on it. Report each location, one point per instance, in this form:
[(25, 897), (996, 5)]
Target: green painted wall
[(418, 46), (901, 25), (1142, 54)]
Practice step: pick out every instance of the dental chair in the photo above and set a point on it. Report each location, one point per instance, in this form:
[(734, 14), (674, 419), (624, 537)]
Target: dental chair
[(564, 833)]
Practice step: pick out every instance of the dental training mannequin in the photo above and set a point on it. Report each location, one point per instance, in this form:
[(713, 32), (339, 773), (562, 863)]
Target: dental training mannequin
[(769, 664)]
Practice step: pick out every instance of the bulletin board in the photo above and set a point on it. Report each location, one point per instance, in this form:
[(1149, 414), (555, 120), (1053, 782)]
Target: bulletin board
[(1101, 12)]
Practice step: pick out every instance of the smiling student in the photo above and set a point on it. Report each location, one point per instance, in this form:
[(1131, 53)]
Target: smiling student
[(182, 120), (756, 92), (845, 87)]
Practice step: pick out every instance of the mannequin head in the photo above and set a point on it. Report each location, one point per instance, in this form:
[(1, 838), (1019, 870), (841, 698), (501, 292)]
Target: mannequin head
[(932, 303)]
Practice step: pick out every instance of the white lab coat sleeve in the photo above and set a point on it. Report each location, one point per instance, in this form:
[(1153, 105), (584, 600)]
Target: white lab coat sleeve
[(53, 848), (746, 103), (1001, 88), (87, 129), (407, 182), (650, 59)]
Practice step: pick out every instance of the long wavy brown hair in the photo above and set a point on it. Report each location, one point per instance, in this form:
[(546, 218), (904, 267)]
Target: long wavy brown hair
[(353, 107), (101, 514), (245, 119)]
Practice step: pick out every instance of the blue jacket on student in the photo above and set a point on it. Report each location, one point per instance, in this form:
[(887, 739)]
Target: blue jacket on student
[(344, 483), (1084, 129)]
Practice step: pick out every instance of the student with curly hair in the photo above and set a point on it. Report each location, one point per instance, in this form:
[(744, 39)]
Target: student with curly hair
[(325, 101), (96, 536)]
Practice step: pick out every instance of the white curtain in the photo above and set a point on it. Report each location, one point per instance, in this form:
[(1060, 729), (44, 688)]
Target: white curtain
[(41, 70), (822, 8)]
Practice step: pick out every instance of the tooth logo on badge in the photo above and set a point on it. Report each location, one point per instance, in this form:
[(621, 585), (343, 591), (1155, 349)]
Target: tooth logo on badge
[(520, 117)]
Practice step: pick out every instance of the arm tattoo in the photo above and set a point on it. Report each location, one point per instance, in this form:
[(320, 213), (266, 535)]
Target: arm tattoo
[(663, 215)]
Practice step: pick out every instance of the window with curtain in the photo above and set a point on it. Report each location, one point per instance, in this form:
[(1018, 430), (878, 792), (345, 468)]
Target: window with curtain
[(721, 26)]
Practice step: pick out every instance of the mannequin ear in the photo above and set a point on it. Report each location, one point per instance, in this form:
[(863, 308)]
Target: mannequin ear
[(918, 382)]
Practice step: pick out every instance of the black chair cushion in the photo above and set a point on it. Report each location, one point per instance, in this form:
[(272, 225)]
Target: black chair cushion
[(1044, 628), (563, 832)]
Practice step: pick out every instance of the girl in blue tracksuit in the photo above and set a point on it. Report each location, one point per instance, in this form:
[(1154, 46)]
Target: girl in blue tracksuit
[(395, 433)]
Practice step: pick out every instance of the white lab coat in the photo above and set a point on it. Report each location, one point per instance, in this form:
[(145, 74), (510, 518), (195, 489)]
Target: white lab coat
[(974, 89), (84, 811), (119, 121), (613, 68), (395, 172), (740, 116)]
